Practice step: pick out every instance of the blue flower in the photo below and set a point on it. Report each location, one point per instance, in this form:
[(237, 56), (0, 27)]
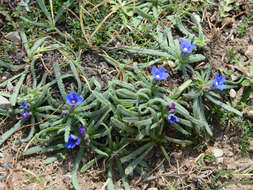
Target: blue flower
[(219, 82), (81, 130), (73, 99), (172, 118), (73, 141), (24, 105), (159, 74), (186, 46), (25, 115)]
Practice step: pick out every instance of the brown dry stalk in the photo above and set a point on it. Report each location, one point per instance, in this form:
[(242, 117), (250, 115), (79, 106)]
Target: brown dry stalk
[(84, 78), (102, 22), (43, 63), (52, 10), (73, 13)]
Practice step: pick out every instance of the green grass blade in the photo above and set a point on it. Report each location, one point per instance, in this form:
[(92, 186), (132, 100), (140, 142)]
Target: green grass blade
[(178, 141), (33, 71), (63, 9), (33, 22)]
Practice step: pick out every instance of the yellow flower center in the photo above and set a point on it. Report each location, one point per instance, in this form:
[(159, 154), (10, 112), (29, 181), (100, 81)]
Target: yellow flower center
[(73, 101)]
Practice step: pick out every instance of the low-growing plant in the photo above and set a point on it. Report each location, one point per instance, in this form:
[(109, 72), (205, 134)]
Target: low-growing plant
[(50, 23), (204, 88), (171, 50)]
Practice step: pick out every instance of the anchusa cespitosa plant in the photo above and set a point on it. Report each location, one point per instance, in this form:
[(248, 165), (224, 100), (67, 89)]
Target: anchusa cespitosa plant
[(178, 51), (203, 88)]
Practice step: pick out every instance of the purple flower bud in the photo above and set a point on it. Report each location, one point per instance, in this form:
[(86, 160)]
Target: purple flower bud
[(65, 112), (25, 115), (116, 155), (81, 130), (171, 106), (86, 137), (24, 105)]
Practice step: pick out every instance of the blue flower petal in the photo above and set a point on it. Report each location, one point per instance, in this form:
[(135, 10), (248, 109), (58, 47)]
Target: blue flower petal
[(154, 70), (73, 141), (219, 82), (73, 99), (159, 74)]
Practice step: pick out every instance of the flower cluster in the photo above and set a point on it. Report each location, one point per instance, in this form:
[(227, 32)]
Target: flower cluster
[(82, 131), (73, 99), (24, 106), (171, 116)]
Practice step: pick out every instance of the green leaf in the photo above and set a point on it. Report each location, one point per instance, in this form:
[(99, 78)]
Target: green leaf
[(33, 22), (37, 44), (76, 75), (10, 132), (143, 14), (75, 168), (60, 84), (129, 169), (198, 111), (225, 106), (178, 141), (109, 175), (44, 10), (144, 51), (14, 96), (180, 129), (63, 9), (67, 130), (122, 175), (135, 153), (195, 58), (100, 152), (89, 164)]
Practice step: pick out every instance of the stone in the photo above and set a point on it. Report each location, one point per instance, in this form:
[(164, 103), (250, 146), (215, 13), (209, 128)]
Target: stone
[(195, 18), (152, 188), (232, 93), (249, 52), (13, 36), (217, 152), (4, 103)]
